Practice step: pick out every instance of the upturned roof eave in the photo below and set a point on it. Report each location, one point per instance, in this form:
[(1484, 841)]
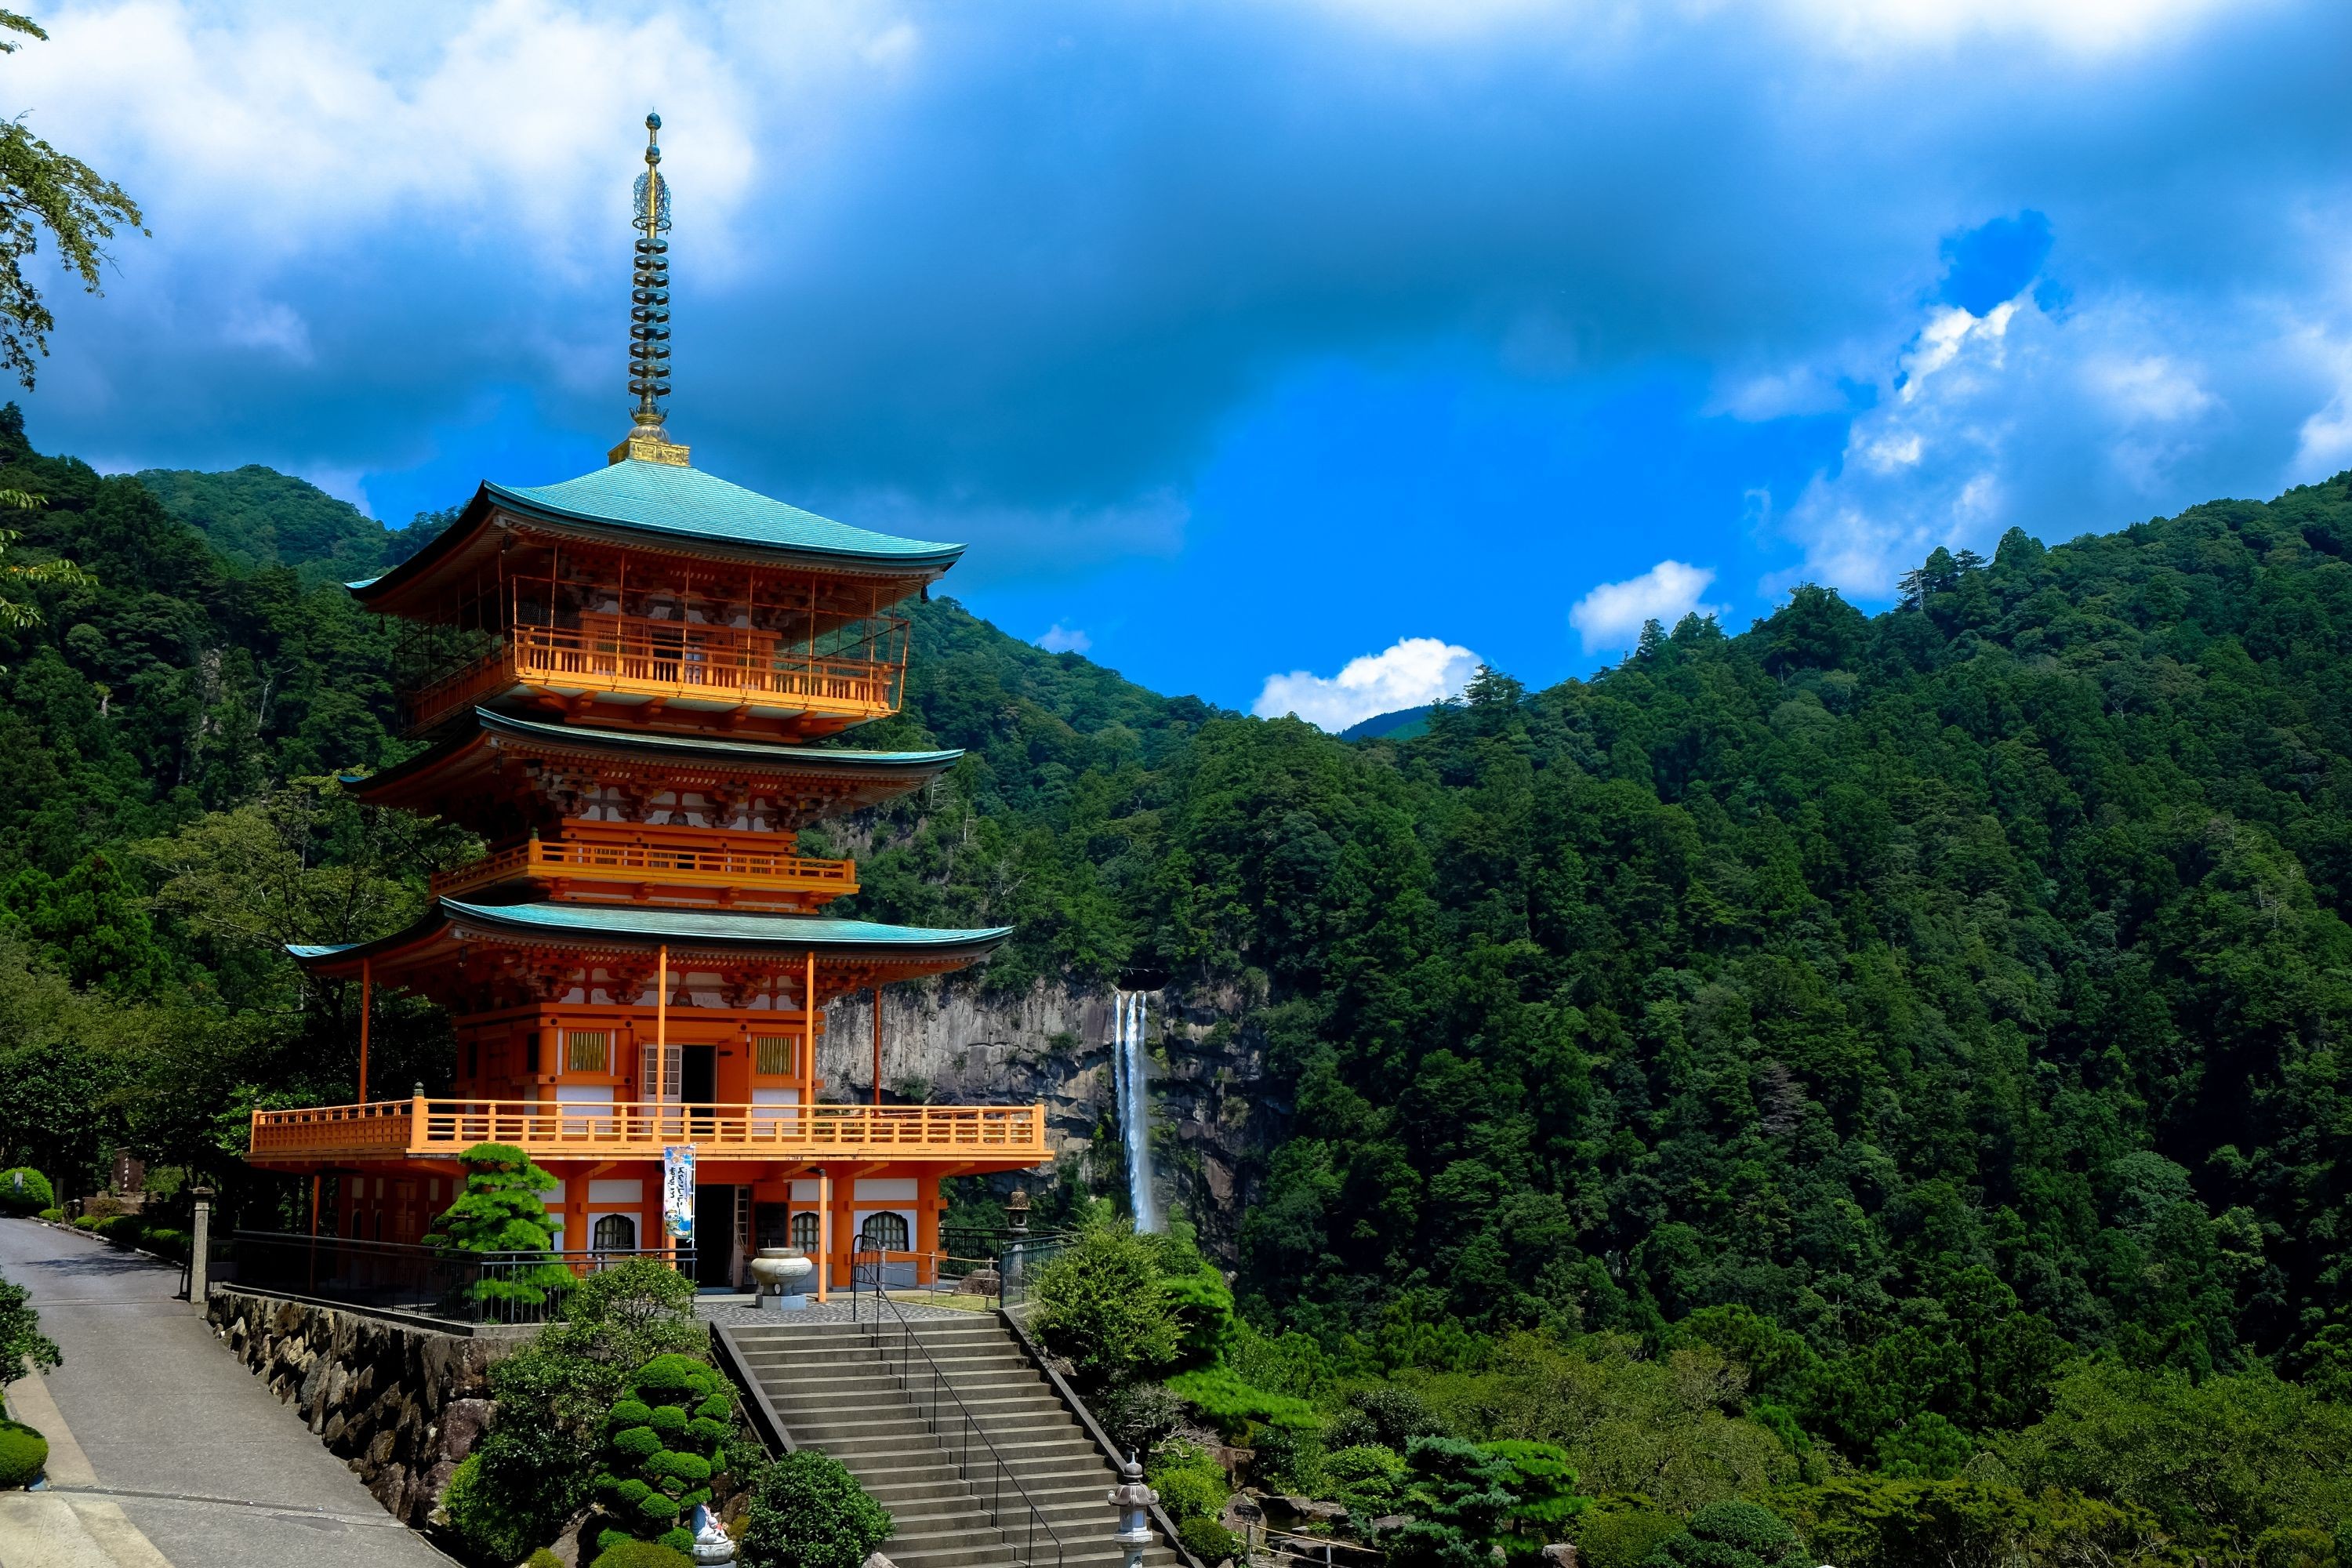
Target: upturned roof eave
[(611, 926)]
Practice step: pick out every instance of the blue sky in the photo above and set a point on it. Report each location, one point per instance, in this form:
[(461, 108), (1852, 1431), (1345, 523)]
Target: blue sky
[(1300, 354)]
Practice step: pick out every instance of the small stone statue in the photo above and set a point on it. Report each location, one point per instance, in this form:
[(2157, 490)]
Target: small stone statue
[(712, 1545)]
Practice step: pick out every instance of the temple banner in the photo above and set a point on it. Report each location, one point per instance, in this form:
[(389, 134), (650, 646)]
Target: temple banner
[(678, 1190)]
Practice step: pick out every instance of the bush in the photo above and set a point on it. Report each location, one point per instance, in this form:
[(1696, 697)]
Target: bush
[(23, 1347), (1733, 1535), (1141, 1416), (557, 1395), (659, 1440), (23, 1452), (1190, 1484), (636, 1554), (490, 1533), (1622, 1529), (52, 1216), (544, 1557), (24, 1190), (810, 1513), (1367, 1477), (171, 1243), (1100, 1304), (1207, 1539)]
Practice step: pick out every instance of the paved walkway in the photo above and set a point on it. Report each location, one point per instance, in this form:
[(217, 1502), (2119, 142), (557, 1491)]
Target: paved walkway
[(164, 1451)]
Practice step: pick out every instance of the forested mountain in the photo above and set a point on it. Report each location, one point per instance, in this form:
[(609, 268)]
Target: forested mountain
[(258, 517), (1904, 1007)]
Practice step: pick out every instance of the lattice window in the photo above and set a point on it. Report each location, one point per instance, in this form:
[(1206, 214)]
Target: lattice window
[(773, 1056), (616, 1233), (887, 1231), (587, 1050), (804, 1230)]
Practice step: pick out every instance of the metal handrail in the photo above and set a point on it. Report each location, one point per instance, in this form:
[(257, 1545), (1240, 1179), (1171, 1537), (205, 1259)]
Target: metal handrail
[(860, 1272)]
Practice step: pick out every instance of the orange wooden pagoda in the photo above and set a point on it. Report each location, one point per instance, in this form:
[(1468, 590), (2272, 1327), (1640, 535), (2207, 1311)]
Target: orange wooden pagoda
[(642, 960)]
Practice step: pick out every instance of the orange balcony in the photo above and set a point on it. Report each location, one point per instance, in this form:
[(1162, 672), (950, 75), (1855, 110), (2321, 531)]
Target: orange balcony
[(694, 668), (1006, 1136), (718, 867)]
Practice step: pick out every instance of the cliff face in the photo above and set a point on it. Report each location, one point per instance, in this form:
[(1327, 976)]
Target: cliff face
[(950, 1044)]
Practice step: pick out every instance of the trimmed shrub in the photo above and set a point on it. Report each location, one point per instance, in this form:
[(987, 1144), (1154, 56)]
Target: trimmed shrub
[(661, 1438), (1733, 1535), (23, 1452), (52, 1216), (1207, 1539), (544, 1557), (1367, 1477), (808, 1511), (627, 1554), (171, 1243), (24, 1190)]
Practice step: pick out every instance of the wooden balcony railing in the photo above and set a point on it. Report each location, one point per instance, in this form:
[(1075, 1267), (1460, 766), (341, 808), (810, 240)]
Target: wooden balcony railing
[(1010, 1135), (683, 662), (731, 867)]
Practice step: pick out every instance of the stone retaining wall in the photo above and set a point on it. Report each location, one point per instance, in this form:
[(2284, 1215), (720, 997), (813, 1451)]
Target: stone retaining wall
[(401, 1403)]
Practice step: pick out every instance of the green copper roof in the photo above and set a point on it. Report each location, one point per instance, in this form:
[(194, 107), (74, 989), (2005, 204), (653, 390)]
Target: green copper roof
[(818, 760), (700, 746), (667, 497), (719, 928), (710, 928)]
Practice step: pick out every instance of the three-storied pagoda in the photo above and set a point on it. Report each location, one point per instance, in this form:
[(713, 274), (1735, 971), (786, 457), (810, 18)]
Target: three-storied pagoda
[(642, 960)]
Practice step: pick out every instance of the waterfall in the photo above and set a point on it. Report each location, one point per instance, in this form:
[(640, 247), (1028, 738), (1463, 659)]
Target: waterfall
[(1132, 1087)]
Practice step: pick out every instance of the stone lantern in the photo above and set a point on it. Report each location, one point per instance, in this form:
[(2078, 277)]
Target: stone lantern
[(1133, 1500)]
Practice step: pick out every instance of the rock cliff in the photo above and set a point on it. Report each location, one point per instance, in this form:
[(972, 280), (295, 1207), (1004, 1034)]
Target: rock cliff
[(952, 1043)]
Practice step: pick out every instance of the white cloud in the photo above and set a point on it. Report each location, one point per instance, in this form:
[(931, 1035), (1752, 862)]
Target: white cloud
[(1610, 616), (2018, 417), (1060, 638), (1413, 673)]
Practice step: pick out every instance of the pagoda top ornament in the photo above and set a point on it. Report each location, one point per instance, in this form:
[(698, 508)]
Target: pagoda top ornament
[(648, 441)]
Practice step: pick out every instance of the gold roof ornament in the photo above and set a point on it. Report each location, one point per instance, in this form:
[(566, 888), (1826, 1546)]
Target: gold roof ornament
[(648, 441)]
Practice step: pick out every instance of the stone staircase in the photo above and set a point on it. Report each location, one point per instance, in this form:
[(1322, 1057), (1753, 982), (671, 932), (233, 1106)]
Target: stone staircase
[(836, 1387)]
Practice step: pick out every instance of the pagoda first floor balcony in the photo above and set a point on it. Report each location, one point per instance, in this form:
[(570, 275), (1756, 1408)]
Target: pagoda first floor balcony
[(680, 675), (999, 1137), (612, 862)]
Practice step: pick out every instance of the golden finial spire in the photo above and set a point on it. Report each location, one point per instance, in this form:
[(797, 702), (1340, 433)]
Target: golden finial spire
[(649, 442)]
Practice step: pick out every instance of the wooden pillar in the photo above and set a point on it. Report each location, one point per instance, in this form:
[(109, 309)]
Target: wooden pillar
[(808, 1038), (823, 1231), (661, 1104), (877, 1042), (367, 991)]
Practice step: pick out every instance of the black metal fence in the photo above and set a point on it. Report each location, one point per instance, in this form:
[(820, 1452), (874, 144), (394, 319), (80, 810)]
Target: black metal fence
[(464, 1286)]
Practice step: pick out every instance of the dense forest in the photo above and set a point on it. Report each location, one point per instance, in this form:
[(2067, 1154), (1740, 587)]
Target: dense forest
[(1930, 1027)]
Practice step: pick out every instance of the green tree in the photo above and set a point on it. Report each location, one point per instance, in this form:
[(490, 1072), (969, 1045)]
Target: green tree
[(500, 1212), (44, 189), (1457, 1505), (15, 613)]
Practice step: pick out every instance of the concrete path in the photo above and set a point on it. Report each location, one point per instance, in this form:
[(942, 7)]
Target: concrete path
[(164, 1451)]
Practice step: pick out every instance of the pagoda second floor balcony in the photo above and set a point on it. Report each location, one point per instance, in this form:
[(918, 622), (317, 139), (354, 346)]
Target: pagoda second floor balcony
[(601, 862), (680, 674), (549, 1130)]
